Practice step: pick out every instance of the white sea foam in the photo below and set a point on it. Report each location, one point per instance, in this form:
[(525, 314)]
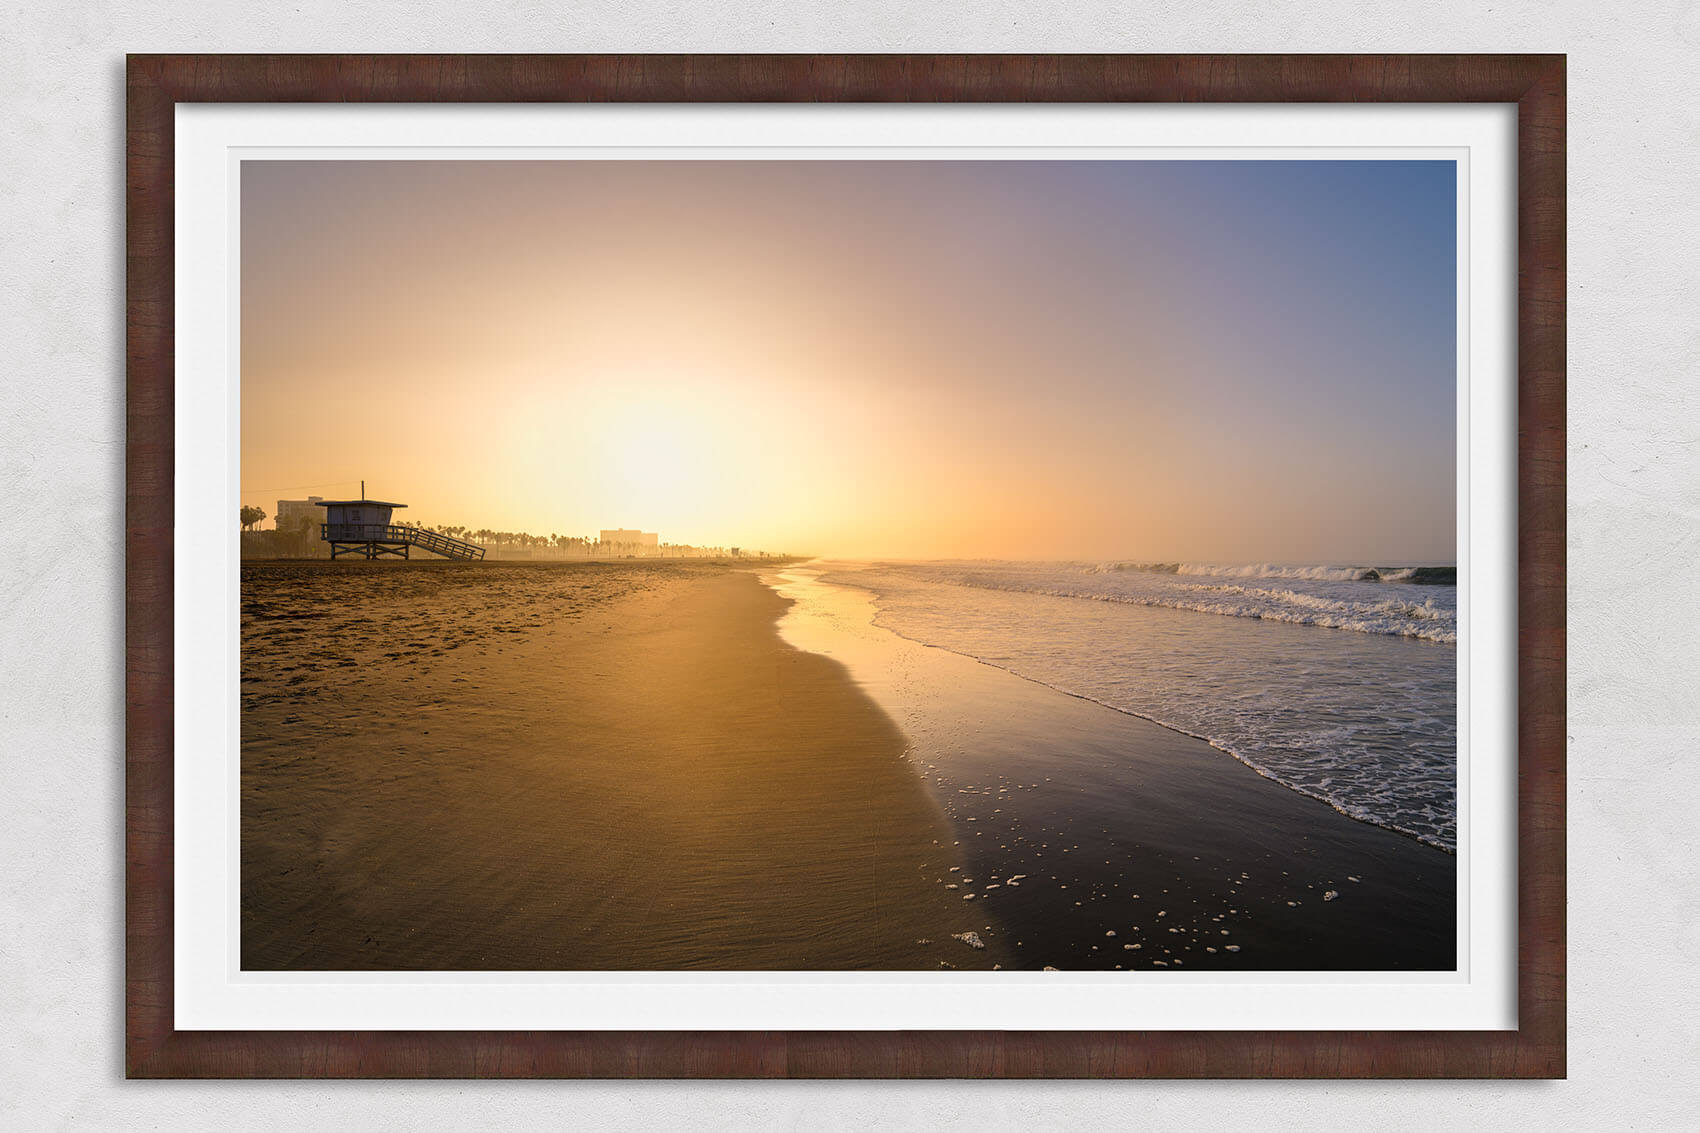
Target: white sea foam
[(1343, 598), (1363, 720)]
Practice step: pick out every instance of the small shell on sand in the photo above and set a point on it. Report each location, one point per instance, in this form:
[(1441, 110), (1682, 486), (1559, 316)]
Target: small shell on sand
[(971, 939)]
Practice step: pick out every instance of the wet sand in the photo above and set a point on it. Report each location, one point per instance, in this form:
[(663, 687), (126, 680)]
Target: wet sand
[(571, 767), (1095, 839), (669, 766)]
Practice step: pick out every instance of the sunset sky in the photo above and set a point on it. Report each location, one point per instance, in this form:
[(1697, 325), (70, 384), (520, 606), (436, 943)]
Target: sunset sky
[(1220, 361)]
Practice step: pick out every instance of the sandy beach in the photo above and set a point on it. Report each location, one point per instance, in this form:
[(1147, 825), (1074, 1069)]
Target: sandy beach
[(602, 766), (684, 766)]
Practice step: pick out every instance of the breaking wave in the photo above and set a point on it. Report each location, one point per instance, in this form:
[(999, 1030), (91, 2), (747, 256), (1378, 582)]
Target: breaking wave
[(1330, 597), (1418, 575)]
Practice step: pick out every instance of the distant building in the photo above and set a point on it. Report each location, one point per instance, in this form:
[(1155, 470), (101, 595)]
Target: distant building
[(636, 538), (291, 515)]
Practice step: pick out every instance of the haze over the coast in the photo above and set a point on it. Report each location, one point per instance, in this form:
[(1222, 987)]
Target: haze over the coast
[(1234, 361), (1185, 698)]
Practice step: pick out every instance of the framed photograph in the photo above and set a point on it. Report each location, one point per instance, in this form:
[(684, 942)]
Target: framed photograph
[(795, 566)]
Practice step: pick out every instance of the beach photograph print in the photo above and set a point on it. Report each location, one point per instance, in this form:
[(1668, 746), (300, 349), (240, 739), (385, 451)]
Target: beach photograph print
[(839, 565)]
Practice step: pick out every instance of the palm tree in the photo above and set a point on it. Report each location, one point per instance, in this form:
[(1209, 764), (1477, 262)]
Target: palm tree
[(251, 515)]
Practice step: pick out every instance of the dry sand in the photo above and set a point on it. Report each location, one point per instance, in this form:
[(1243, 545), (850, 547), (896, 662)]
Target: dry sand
[(576, 766)]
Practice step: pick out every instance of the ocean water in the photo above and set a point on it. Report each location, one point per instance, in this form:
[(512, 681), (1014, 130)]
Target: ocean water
[(1336, 681)]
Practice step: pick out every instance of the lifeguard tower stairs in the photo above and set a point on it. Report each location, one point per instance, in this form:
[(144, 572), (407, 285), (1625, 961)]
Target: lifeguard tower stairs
[(362, 527)]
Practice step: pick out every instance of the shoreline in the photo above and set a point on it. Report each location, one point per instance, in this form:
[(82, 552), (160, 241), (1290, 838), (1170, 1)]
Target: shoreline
[(1366, 722), (1179, 731), (1135, 845)]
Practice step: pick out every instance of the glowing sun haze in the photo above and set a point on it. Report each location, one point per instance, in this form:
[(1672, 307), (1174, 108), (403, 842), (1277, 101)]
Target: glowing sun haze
[(1233, 361)]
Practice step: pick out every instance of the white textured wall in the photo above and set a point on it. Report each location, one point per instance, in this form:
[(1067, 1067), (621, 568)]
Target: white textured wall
[(1634, 543)]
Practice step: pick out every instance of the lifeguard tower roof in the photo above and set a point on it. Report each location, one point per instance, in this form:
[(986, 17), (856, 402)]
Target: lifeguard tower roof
[(358, 503)]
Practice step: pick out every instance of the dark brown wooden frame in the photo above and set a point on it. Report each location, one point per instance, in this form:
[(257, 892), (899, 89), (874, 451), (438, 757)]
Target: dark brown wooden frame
[(1536, 83)]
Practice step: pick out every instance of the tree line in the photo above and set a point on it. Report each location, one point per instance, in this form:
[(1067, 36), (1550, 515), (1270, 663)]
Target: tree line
[(572, 546)]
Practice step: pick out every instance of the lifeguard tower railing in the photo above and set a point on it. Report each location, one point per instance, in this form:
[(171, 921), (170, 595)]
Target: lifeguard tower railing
[(374, 539)]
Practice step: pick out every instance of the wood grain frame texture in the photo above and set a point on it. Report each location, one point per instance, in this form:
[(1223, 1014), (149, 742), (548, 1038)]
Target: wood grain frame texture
[(1536, 83)]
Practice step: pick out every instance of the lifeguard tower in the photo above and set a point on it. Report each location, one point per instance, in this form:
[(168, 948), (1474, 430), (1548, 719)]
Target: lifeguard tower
[(362, 527)]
